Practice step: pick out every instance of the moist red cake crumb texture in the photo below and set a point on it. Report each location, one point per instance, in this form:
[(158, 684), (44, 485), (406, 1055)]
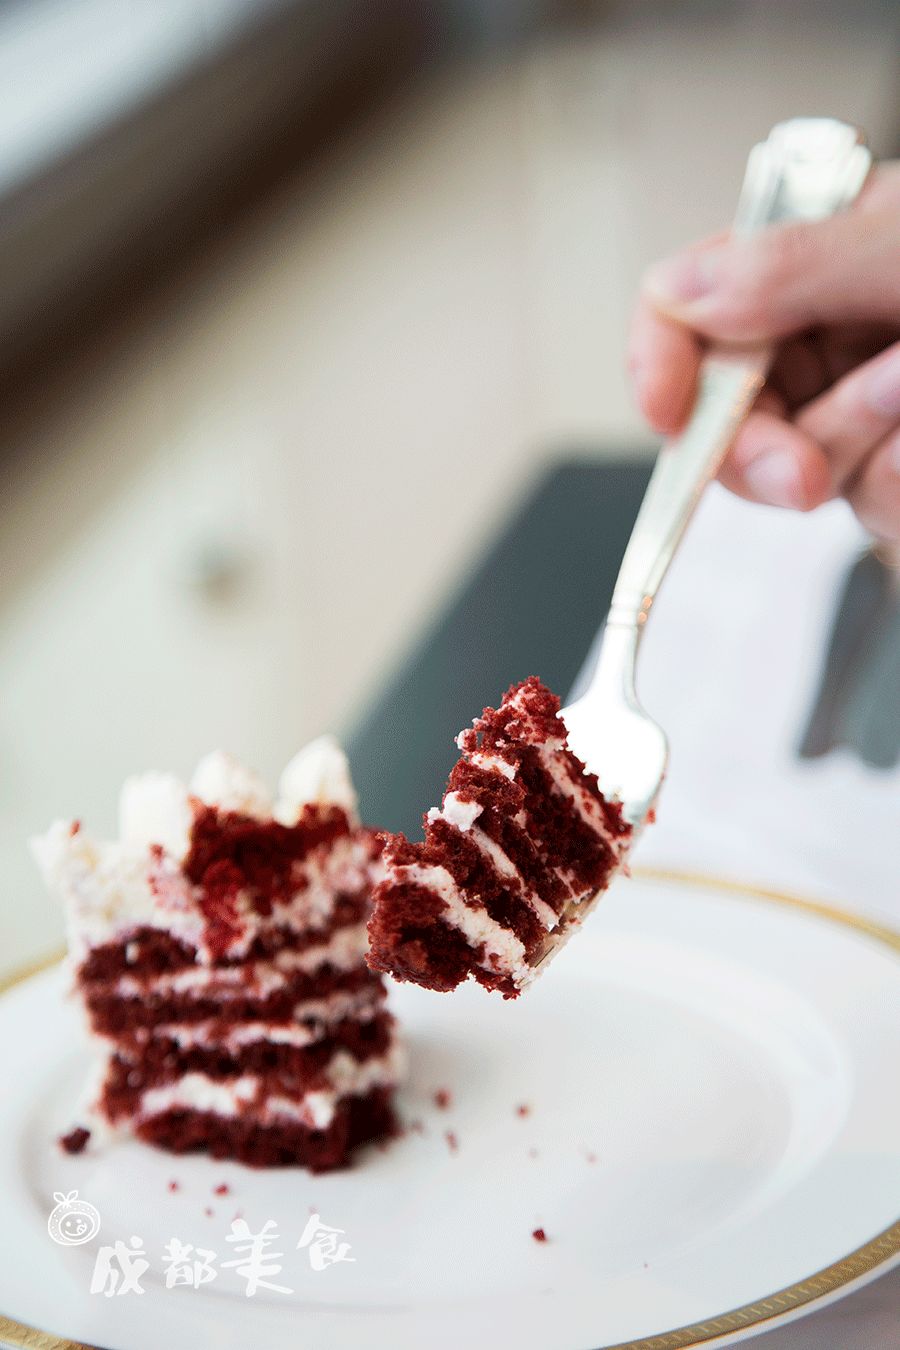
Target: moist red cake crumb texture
[(226, 985), (521, 847), (75, 1141), (539, 1235)]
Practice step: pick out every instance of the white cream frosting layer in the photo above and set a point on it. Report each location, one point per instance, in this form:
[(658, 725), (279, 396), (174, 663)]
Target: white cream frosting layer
[(320, 773), (312, 1021), (106, 890), (344, 950), (155, 808), (587, 806), (219, 780), (346, 1077), (503, 950), (461, 814), (111, 887)]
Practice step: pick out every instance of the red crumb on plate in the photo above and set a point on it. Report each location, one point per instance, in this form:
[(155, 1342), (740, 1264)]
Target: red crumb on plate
[(442, 1099), (221, 1189), (539, 1235), (173, 1186), (208, 1212), (452, 1141), (523, 1110), (75, 1140)]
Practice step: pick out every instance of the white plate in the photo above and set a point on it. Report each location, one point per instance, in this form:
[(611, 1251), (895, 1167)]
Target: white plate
[(713, 1105)]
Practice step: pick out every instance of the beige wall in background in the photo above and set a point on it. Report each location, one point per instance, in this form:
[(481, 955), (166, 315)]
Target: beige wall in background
[(227, 530)]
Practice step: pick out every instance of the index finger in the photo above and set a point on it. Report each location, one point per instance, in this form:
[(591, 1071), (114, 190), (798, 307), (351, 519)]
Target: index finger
[(663, 362)]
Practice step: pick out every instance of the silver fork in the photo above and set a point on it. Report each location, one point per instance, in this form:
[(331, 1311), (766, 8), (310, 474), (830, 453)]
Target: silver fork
[(809, 168)]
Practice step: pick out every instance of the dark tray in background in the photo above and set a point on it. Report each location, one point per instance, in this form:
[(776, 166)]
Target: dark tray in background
[(530, 607)]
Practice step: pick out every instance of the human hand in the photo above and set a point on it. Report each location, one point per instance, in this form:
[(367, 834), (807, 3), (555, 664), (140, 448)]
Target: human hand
[(827, 294)]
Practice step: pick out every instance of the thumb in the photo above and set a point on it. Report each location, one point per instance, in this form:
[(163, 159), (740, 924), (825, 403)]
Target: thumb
[(786, 278)]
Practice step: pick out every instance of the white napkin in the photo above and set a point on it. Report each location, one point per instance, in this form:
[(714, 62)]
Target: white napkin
[(730, 667)]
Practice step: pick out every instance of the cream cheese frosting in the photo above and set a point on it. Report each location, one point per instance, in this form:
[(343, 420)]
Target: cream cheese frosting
[(109, 887)]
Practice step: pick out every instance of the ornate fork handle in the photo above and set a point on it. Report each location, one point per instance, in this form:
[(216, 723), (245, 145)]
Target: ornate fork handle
[(808, 169)]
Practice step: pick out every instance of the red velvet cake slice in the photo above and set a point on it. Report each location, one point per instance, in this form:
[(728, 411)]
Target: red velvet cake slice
[(218, 947), (518, 853)]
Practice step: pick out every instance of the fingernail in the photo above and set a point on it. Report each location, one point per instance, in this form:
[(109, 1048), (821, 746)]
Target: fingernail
[(882, 392), (687, 277), (774, 478)]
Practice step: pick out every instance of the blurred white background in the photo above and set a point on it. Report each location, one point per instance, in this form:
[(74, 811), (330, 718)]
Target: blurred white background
[(228, 512)]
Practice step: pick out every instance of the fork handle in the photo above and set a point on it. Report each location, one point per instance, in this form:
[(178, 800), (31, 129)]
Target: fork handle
[(809, 168)]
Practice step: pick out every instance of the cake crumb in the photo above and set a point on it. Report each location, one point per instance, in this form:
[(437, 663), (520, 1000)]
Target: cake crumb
[(539, 1235), (208, 1212), (174, 1186), (442, 1099), (75, 1140), (523, 1109), (221, 1189), (452, 1141)]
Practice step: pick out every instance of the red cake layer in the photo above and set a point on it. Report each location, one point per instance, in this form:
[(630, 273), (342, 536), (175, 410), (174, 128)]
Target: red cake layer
[(358, 1120), (411, 942), (518, 790), (237, 861), (149, 952), (227, 985), (111, 1014), (285, 1070)]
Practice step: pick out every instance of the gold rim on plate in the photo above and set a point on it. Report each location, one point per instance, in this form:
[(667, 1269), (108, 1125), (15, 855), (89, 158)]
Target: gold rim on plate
[(865, 1260)]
